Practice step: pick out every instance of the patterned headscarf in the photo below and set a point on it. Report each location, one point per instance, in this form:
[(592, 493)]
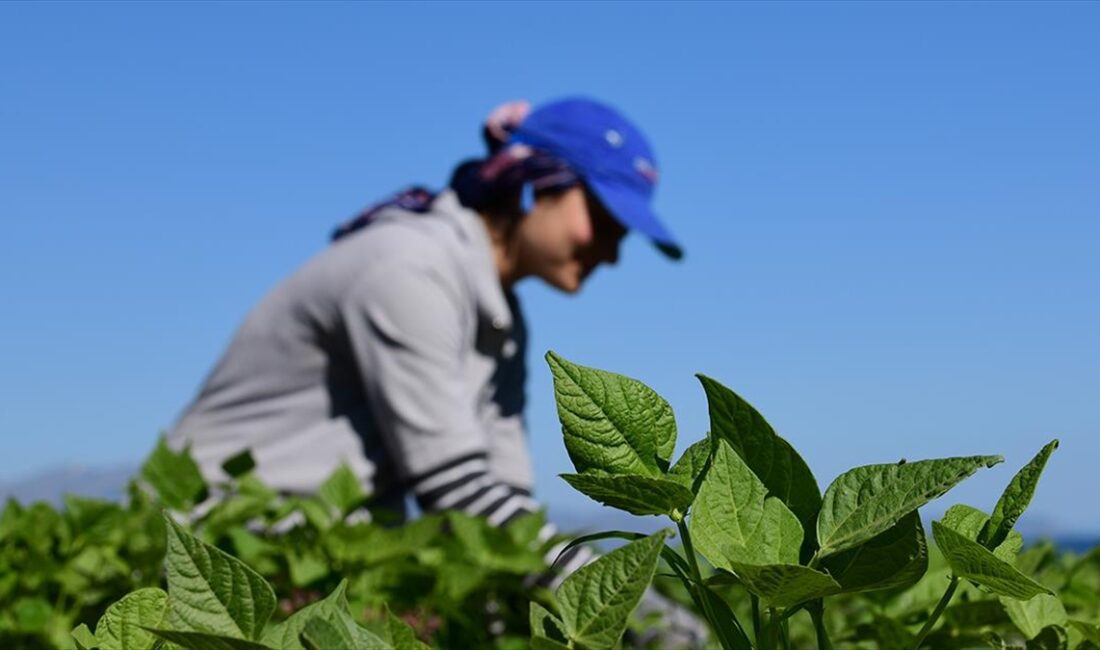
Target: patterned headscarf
[(491, 184)]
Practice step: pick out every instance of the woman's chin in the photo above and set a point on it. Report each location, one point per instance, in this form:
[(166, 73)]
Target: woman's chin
[(568, 283)]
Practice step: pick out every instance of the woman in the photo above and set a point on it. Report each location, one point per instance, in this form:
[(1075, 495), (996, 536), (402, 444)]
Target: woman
[(400, 349)]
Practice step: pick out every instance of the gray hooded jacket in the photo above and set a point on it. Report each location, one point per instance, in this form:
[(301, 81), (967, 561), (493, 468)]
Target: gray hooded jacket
[(396, 351)]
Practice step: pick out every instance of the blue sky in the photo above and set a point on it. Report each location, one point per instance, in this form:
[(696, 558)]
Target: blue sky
[(891, 211)]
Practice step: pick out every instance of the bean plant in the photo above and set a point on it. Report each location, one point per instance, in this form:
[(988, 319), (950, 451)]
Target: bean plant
[(748, 511), (752, 546)]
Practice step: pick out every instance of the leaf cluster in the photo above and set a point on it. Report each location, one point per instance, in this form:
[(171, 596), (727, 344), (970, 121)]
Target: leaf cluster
[(754, 526)]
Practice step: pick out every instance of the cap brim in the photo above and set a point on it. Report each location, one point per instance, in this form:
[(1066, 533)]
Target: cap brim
[(634, 212)]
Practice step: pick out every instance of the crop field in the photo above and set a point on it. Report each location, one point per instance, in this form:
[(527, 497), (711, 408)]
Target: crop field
[(753, 546)]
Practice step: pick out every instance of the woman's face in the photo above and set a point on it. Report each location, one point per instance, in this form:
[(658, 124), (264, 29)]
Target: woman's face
[(566, 236)]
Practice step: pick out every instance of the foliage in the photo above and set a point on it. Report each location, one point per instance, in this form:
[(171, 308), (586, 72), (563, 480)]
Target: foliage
[(763, 554), (455, 579), (762, 544)]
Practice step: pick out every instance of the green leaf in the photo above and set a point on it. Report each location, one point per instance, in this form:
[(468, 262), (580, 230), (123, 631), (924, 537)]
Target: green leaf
[(667, 554), (969, 522), (1052, 637), (206, 641), (329, 619), (240, 464), (210, 591), (84, 638), (319, 634), (726, 628), (284, 636), (326, 634), (400, 635), (1031, 616), (1015, 498), (122, 626), (597, 600), (785, 585), (611, 422), (733, 519), (689, 470), (32, 614), (1088, 630), (895, 558), (317, 512), (342, 490), (546, 625), (490, 547), (639, 495), (769, 456), (96, 522), (866, 501), (174, 476), (306, 566), (971, 560)]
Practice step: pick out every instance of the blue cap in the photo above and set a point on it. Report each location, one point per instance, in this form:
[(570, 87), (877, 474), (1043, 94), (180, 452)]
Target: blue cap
[(609, 153)]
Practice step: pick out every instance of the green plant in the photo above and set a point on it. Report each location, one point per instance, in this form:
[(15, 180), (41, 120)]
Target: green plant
[(746, 502), (456, 579), (216, 602), (763, 555)]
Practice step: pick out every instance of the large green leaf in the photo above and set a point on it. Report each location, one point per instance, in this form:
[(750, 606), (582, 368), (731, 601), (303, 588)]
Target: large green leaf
[(866, 501), (337, 629), (897, 557), (174, 476), (597, 600), (971, 560), (320, 634), (969, 522), (212, 592), (122, 626), (207, 641), (1032, 615), (611, 422), (785, 585), (342, 490), (400, 634), (285, 635), (1015, 499), (734, 520), (639, 495), (771, 458)]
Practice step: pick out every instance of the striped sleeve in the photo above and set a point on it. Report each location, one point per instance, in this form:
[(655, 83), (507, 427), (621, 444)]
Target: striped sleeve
[(466, 484)]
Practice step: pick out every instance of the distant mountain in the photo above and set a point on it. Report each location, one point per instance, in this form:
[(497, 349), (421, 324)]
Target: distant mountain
[(51, 484)]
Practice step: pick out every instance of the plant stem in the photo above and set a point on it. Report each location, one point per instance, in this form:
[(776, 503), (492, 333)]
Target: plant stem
[(817, 613), (791, 611), (940, 606), (785, 631), (693, 564), (756, 618), (773, 629)]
